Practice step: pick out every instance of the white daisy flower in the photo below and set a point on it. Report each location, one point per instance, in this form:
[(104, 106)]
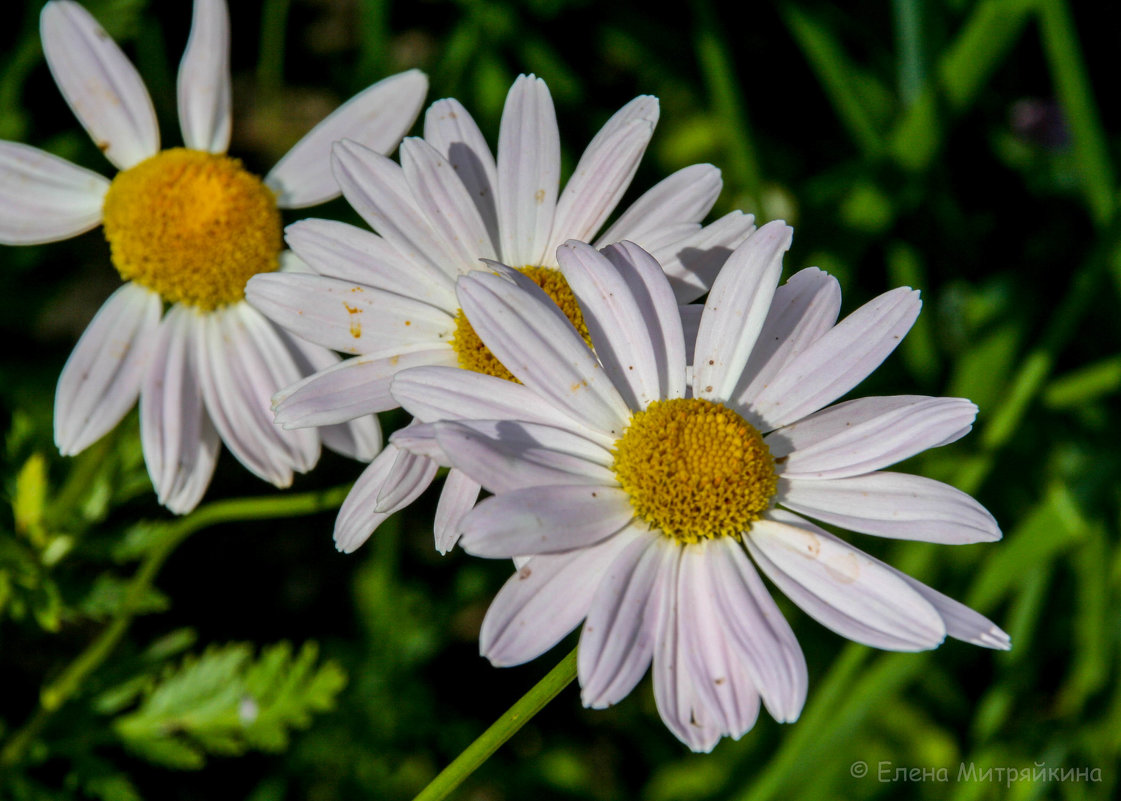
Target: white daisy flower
[(390, 296), (186, 228), (645, 504)]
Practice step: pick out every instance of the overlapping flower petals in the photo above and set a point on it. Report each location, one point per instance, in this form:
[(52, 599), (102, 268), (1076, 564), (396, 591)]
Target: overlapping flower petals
[(697, 614), (376, 118), (200, 377)]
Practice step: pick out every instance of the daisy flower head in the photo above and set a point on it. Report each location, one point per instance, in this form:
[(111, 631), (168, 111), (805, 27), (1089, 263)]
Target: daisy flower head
[(389, 297), (186, 226), (643, 497)]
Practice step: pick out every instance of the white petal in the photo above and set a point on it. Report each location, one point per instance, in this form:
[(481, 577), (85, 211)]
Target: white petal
[(420, 438), (540, 520), (351, 388), (338, 250), (450, 129), (101, 379), (452, 393), (685, 196), (720, 678), (242, 361), (675, 694), (101, 86), (179, 441), (359, 438), (603, 174), (376, 118), (410, 476), (735, 310), (445, 202), (528, 171), (204, 79), (183, 497), (545, 600), (44, 198), (756, 630), (803, 309), (838, 361), (533, 339), (842, 587), (668, 239), (281, 363), (376, 188), (347, 317), (457, 497), (893, 505), (692, 261), (632, 316), (359, 517), (617, 640), (505, 455), (962, 623), (865, 434)]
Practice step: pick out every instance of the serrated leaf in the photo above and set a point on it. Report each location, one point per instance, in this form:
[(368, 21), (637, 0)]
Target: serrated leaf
[(139, 540), (110, 594), (225, 702), (168, 752), (96, 778)]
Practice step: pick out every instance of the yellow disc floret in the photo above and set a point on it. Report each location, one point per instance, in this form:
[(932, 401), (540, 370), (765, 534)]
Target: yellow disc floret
[(192, 226), (694, 469), (474, 355)]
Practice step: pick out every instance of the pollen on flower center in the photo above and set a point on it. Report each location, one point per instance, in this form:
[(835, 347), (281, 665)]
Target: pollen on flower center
[(192, 226), (474, 355), (695, 469)]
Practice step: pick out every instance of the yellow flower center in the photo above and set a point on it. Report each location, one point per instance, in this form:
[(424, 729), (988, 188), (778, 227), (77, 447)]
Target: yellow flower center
[(192, 226), (474, 355), (695, 469)]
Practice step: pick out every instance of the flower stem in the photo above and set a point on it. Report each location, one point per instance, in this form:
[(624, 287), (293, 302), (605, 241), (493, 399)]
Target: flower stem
[(501, 730), (69, 682)]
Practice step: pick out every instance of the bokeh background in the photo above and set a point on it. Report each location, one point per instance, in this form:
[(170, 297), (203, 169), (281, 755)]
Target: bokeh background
[(968, 148)]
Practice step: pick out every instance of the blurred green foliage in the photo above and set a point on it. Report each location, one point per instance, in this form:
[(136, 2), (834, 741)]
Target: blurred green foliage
[(964, 147)]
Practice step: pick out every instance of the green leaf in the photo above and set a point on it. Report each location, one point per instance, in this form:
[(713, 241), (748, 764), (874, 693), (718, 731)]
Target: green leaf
[(109, 598), (1085, 384), (859, 99), (226, 702), (1050, 527), (31, 498)]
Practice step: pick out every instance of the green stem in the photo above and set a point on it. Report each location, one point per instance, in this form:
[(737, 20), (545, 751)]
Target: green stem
[(501, 730), (66, 686)]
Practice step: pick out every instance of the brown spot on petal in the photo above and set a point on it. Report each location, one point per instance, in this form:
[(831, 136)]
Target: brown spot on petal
[(845, 568)]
